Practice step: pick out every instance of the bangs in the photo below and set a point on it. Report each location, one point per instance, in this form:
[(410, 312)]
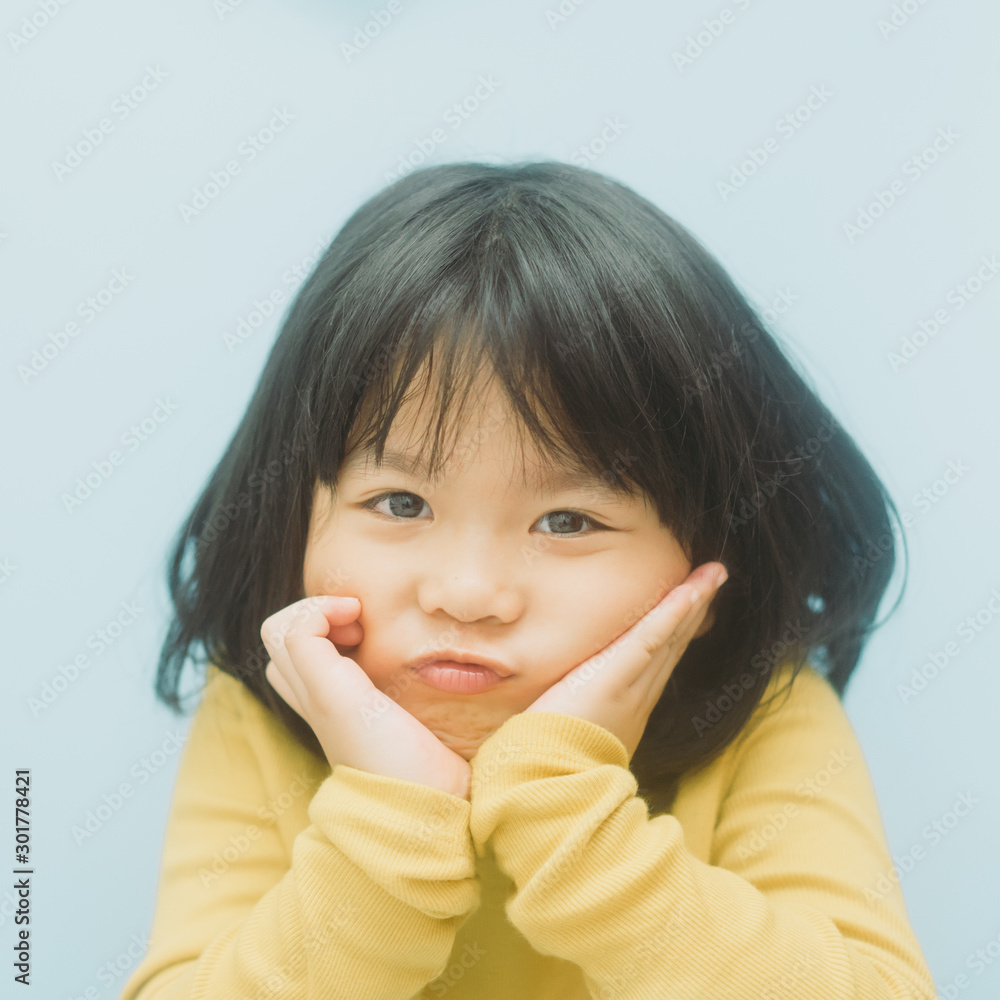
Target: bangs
[(512, 292)]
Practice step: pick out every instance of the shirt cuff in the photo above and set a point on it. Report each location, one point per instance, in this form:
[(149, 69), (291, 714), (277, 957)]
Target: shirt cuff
[(533, 746)]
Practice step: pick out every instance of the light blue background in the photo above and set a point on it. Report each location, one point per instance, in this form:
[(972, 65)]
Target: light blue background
[(681, 130)]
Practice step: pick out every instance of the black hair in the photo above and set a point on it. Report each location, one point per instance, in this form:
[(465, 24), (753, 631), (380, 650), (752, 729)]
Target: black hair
[(605, 318)]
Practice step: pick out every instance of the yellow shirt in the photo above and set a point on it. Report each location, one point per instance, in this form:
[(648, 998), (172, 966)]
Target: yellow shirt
[(769, 877)]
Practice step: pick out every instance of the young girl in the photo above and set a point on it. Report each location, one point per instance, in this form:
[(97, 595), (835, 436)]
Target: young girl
[(481, 719)]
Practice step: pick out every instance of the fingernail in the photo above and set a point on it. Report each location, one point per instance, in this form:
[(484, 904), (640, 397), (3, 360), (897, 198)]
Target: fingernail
[(723, 576)]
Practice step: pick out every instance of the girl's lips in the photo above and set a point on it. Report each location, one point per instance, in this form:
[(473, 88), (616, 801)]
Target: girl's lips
[(458, 678)]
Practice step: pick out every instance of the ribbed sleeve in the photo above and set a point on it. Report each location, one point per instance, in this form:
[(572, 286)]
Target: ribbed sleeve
[(786, 909), (377, 885)]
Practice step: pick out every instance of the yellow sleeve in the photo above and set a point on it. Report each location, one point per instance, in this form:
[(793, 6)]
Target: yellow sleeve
[(796, 910), (367, 906)]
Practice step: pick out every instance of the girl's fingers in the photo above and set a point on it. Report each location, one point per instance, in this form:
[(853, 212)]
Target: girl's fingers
[(676, 643), (278, 682), (673, 621), (347, 635), (297, 637), (699, 601)]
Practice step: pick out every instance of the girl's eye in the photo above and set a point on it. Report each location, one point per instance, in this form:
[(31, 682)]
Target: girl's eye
[(569, 519), (407, 510), (405, 506)]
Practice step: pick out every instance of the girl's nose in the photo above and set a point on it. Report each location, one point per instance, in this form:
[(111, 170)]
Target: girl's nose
[(470, 583)]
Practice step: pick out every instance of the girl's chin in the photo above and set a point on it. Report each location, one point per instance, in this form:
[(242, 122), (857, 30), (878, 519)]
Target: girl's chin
[(463, 739), (464, 748)]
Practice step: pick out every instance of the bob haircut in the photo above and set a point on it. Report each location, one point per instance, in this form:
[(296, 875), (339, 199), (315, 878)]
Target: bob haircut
[(600, 312)]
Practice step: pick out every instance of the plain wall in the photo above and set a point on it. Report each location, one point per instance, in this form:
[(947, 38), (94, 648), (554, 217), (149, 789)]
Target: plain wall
[(601, 85)]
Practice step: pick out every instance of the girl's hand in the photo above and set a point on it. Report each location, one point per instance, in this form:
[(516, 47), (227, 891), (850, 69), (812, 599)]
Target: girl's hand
[(356, 724), (619, 686)]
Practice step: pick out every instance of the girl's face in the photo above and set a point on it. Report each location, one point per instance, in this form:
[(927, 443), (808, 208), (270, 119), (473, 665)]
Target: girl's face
[(539, 575)]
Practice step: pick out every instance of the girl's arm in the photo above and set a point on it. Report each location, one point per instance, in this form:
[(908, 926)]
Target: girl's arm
[(368, 905), (794, 903)]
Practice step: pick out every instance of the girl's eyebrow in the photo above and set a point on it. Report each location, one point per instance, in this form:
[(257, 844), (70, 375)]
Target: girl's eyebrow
[(546, 481)]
